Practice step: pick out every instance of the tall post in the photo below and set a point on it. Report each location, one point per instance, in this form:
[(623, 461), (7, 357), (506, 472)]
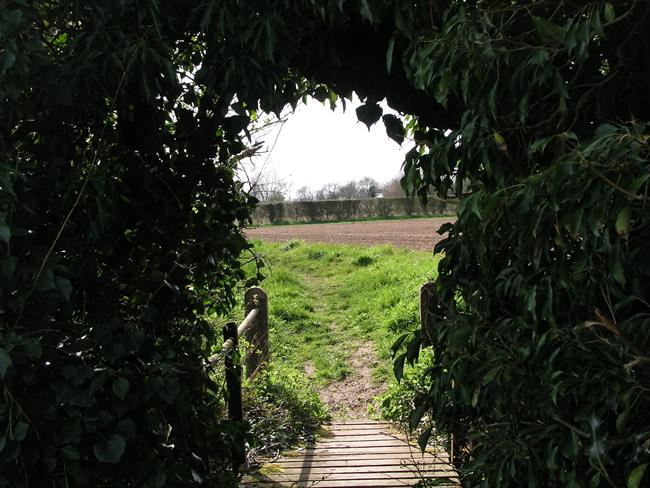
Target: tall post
[(427, 295), (233, 385), (257, 336), (233, 373)]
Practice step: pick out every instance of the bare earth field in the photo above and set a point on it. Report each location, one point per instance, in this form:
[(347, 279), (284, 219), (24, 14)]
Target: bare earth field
[(416, 234)]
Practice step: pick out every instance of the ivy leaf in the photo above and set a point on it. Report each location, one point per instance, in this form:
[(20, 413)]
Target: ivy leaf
[(398, 366), (634, 480), (8, 266), (398, 343), (623, 221), (389, 54), (416, 416), (111, 450), (5, 232), (394, 128), (500, 142), (369, 113), (610, 15), (5, 362), (20, 431), (366, 11), (45, 282), (121, 387), (548, 31), (64, 286), (423, 438)]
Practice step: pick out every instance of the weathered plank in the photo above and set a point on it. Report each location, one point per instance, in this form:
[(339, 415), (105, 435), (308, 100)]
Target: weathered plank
[(355, 454), (343, 462)]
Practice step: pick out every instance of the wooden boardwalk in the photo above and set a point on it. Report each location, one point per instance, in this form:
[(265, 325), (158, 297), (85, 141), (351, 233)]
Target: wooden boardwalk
[(355, 454)]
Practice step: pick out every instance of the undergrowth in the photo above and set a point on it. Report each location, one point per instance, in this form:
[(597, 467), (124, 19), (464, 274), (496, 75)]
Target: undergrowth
[(282, 409)]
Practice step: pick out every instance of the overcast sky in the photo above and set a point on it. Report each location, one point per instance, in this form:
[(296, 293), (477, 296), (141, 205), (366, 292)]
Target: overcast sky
[(316, 146)]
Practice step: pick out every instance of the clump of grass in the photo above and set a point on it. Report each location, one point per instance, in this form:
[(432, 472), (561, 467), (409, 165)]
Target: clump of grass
[(364, 261), (311, 254), (290, 245)]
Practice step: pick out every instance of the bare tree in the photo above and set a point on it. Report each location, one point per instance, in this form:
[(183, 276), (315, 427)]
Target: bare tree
[(393, 188), (349, 191), (368, 187), (330, 191), (268, 187), (304, 194)]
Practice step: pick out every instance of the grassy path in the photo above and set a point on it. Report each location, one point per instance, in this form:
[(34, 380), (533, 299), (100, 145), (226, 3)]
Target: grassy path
[(335, 311)]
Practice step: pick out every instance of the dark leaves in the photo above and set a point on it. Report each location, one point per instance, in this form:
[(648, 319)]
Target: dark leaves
[(369, 113), (394, 128)]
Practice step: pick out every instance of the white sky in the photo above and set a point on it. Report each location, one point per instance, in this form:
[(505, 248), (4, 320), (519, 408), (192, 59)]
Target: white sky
[(317, 146)]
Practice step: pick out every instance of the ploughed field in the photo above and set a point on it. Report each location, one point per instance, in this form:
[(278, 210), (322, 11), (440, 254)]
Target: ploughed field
[(416, 234)]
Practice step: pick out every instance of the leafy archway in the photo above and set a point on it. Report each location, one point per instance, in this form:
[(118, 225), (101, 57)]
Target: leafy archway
[(120, 222)]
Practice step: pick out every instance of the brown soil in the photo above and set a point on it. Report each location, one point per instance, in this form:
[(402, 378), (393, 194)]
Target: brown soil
[(416, 234)]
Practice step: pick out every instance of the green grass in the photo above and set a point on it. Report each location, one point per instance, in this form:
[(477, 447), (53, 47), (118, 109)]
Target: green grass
[(322, 297)]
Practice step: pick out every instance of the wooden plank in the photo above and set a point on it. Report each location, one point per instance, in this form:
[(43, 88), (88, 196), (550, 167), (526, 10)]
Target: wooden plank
[(359, 432), (342, 451), (355, 476), (361, 443), (358, 458), (367, 463), (372, 436), (386, 483), (388, 468), (357, 425)]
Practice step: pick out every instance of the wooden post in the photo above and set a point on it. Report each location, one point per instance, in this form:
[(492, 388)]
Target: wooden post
[(427, 295), (233, 374), (233, 385), (257, 336)]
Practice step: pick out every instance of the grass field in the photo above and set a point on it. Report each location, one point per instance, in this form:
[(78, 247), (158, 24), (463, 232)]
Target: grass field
[(326, 300)]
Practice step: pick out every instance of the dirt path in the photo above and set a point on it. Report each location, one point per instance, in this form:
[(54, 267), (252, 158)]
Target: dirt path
[(350, 397), (416, 234)]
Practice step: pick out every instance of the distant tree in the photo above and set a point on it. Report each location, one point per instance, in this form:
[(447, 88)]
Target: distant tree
[(349, 191), (268, 187), (368, 187), (329, 191), (393, 188), (304, 194)]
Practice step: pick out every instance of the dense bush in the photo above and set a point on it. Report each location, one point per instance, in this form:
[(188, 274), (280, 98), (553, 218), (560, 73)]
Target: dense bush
[(542, 324), (120, 226)]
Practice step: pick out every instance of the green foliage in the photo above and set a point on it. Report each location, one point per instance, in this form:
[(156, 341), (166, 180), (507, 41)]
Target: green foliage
[(398, 401), (120, 226), (282, 408), (541, 330)]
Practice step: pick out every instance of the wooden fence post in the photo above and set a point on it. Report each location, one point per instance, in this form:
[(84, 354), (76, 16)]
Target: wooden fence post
[(233, 385), (427, 295), (257, 336), (233, 373)]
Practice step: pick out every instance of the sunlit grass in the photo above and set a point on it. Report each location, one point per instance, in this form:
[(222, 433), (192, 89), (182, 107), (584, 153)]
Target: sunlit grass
[(325, 297)]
